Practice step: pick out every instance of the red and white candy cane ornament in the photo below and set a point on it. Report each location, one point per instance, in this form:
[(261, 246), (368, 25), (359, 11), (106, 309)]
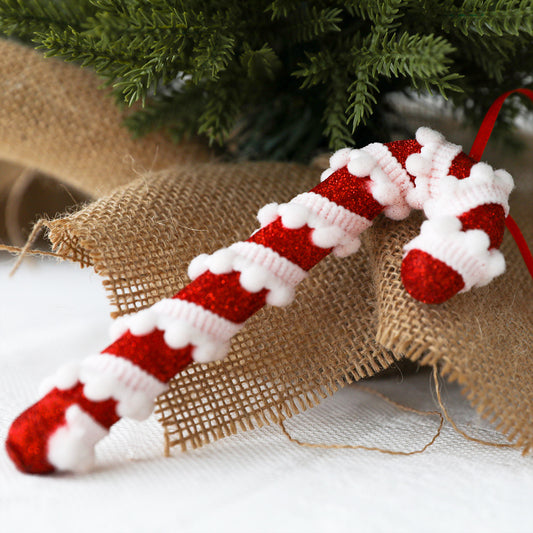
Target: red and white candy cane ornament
[(465, 202)]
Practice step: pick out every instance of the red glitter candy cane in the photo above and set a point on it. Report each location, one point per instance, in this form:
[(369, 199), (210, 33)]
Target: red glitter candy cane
[(465, 202)]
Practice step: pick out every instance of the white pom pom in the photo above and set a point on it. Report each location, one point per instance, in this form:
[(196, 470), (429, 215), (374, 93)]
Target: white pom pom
[(442, 226), (197, 266), (361, 163), (221, 351), (206, 352), (426, 136), (67, 376), (340, 158), (347, 248), (136, 405), (221, 261), (504, 179), (280, 296), (178, 334), (71, 447), (477, 241), (418, 165), (293, 216), (118, 327), (143, 322), (253, 278), (267, 214), (384, 192), (481, 173), (99, 388), (448, 185), (417, 196), (496, 266), (397, 212), (327, 236), (326, 174)]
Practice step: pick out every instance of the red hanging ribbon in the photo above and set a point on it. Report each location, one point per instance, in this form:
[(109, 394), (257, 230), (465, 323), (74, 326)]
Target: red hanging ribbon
[(476, 152)]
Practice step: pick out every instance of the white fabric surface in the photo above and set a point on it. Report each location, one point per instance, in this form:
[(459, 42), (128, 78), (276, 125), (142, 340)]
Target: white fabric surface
[(256, 481)]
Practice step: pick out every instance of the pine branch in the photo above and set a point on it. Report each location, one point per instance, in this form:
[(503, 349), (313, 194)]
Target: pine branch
[(23, 18), (490, 17), (361, 98), (261, 73)]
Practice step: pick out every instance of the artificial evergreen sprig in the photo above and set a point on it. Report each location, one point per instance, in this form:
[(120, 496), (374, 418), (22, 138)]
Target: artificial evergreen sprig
[(281, 78)]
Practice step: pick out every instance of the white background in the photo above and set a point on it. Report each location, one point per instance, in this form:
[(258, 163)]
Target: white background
[(253, 482)]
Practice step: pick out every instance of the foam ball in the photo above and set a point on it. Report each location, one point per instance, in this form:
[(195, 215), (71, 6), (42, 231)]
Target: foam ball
[(418, 165), (427, 136), (361, 163), (340, 158), (143, 322), (267, 214), (347, 248), (177, 334), (253, 278), (293, 216), (280, 296), (327, 236), (221, 262), (197, 266)]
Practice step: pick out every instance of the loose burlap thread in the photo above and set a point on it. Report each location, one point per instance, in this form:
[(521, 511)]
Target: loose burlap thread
[(351, 318)]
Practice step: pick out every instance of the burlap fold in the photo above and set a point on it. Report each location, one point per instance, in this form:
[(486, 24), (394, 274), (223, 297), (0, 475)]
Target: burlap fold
[(54, 118), (351, 317)]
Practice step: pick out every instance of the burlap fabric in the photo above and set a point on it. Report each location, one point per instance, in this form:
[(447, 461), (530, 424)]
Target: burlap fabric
[(54, 118), (351, 318)]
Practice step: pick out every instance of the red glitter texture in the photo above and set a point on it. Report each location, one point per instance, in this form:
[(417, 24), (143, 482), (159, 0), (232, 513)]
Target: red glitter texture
[(461, 165), (152, 354), (222, 294), (429, 280), (350, 192), (27, 441), (293, 244), (488, 217), (401, 150)]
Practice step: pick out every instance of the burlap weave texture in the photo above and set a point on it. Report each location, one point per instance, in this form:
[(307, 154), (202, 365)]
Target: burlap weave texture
[(351, 317), (53, 117)]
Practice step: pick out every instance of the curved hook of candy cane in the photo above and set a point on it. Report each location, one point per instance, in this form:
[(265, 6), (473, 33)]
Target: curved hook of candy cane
[(466, 203), (83, 401)]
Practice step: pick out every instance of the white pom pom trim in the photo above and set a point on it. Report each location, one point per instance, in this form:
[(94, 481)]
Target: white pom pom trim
[(71, 446), (467, 252), (483, 186), (429, 166)]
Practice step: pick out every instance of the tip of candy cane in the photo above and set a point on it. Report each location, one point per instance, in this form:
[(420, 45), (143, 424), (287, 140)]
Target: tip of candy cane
[(26, 446), (429, 280), (59, 432)]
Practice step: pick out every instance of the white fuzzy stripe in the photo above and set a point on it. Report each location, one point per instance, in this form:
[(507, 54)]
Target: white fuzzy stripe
[(467, 252), (106, 376), (388, 180), (109, 376), (390, 165), (71, 446), (285, 270), (201, 319), (483, 186), (429, 166), (184, 323), (333, 214), (333, 225), (260, 268)]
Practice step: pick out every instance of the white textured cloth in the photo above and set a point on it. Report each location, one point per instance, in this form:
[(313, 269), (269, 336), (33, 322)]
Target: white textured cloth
[(256, 481)]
